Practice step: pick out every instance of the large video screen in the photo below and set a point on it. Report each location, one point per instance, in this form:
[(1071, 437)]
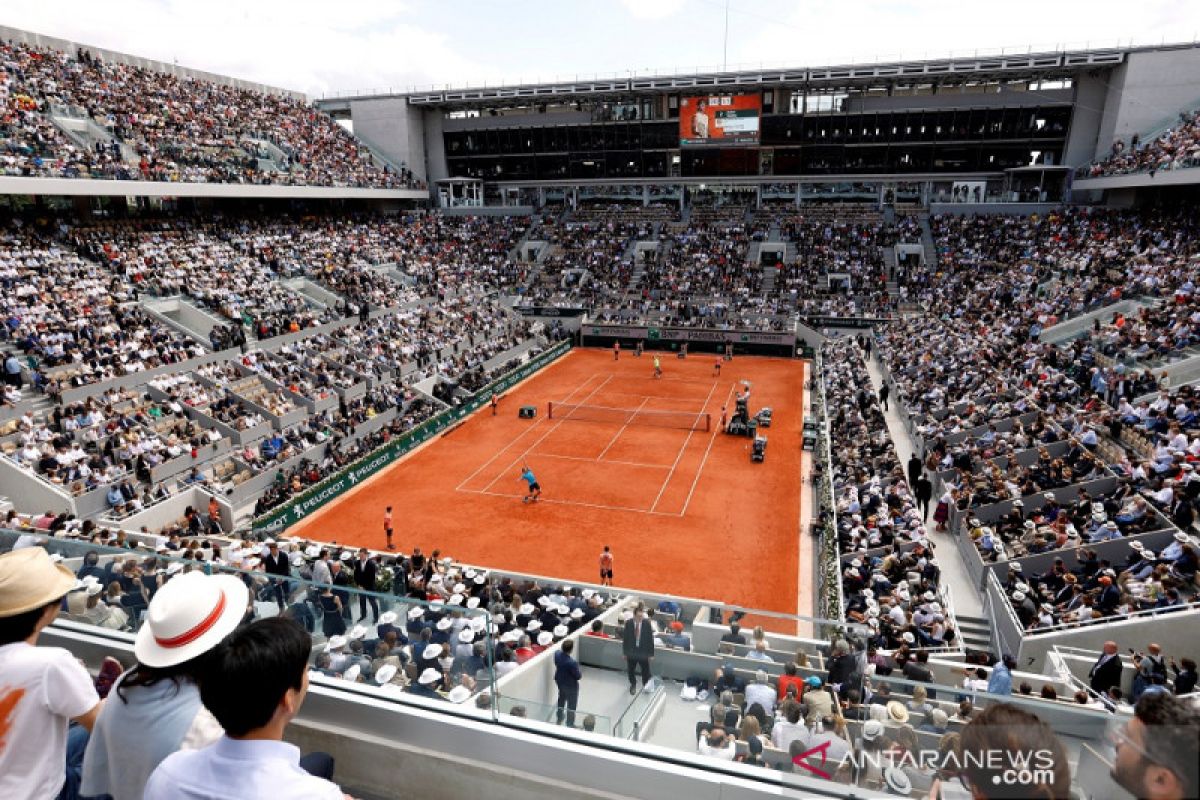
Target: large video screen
[(719, 119)]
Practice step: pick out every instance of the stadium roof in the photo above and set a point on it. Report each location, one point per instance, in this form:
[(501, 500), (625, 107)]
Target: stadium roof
[(1006, 66)]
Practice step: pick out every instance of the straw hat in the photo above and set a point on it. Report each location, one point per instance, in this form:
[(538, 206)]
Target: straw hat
[(189, 616), (29, 580)]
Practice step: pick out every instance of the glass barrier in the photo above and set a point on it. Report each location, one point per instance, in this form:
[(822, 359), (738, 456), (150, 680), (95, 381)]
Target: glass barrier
[(794, 695), (635, 716), (516, 710)]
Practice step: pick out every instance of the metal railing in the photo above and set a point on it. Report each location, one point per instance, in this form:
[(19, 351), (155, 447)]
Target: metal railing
[(1029, 49)]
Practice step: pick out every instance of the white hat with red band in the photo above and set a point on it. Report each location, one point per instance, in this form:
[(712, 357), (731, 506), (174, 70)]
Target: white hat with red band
[(189, 616)]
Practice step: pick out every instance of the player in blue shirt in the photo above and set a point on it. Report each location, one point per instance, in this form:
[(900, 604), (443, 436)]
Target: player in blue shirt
[(535, 490)]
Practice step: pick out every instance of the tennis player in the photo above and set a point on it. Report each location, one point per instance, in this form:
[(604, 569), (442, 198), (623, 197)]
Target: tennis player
[(387, 527), (495, 403), (657, 367), (616, 350), (717, 368), (606, 567), (535, 489)]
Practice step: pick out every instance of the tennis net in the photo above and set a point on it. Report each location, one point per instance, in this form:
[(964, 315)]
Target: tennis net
[(687, 420)]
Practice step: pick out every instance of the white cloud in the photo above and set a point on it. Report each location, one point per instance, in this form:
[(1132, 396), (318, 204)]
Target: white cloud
[(652, 9), (309, 45)]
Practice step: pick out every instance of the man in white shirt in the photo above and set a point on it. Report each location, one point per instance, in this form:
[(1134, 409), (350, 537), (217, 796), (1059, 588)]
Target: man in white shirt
[(762, 693), (257, 683), (790, 728), (42, 689)]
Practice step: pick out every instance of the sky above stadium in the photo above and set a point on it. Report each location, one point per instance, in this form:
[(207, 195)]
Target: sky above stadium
[(320, 47)]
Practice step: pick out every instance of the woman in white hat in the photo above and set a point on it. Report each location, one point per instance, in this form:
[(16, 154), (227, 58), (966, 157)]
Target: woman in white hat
[(42, 689), (189, 616)]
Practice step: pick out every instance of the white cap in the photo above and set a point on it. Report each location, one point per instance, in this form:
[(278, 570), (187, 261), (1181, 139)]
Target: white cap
[(545, 638), (335, 643), (429, 677), (385, 674)]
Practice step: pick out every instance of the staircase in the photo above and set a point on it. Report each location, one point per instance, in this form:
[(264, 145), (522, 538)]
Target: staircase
[(931, 253), (974, 632), (889, 266), (85, 133), (276, 159)]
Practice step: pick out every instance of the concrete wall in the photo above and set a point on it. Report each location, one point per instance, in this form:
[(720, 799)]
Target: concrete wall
[(435, 148), (33, 493), (171, 509), (952, 99), (108, 188), (533, 120), (1148, 89), (1090, 91), (394, 129)]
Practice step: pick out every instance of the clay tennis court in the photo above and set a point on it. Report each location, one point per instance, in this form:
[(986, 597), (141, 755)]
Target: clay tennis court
[(683, 509)]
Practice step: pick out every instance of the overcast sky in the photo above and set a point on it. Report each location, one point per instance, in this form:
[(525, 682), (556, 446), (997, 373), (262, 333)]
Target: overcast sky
[(318, 47)]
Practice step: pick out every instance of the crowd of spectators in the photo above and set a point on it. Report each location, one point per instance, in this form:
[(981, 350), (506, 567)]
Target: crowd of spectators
[(1177, 148), (163, 127), (890, 580), (979, 359)]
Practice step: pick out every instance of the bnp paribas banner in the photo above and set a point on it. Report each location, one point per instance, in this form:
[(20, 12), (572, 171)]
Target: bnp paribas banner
[(279, 519)]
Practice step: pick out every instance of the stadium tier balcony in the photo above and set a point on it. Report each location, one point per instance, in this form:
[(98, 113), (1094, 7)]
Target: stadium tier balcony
[(435, 636), (160, 127), (1176, 148)]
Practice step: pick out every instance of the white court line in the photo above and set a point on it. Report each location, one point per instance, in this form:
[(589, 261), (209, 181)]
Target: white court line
[(609, 461), (520, 435), (665, 379), (657, 397), (543, 436), (678, 457), (571, 503), (707, 450), (622, 430)]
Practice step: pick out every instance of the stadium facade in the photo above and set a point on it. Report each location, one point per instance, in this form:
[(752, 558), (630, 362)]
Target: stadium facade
[(1012, 125)]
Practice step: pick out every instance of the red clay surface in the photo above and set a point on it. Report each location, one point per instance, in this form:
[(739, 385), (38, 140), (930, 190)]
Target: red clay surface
[(684, 511)]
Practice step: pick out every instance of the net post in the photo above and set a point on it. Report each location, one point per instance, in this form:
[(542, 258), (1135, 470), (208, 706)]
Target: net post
[(550, 410), (707, 422)]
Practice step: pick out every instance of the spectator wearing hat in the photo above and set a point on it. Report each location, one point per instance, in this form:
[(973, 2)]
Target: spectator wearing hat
[(567, 676), (675, 637), (42, 689), (427, 684), (817, 700), (190, 616), (255, 683)]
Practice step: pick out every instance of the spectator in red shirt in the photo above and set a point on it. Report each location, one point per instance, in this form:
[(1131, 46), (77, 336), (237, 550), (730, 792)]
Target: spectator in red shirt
[(790, 678)]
